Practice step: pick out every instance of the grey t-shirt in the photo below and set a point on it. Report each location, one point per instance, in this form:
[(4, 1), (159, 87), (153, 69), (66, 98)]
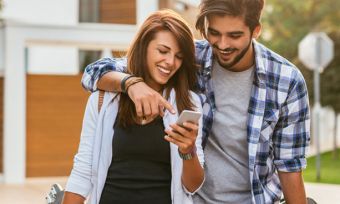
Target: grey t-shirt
[(226, 151)]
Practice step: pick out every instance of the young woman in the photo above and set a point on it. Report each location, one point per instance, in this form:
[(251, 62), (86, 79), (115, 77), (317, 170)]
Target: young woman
[(123, 158)]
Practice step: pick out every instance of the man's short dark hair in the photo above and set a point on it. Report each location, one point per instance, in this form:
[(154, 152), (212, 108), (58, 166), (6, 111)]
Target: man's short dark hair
[(250, 10)]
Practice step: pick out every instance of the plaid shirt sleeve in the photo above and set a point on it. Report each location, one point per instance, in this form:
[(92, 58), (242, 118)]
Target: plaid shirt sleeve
[(292, 134), (93, 72)]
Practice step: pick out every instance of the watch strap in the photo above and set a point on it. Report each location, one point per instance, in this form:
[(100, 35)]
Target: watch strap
[(189, 155)]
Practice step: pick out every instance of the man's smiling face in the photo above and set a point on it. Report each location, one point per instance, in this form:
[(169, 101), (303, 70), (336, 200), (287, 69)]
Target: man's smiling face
[(231, 40)]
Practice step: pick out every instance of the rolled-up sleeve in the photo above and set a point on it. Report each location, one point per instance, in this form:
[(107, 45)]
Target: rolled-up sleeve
[(291, 136)]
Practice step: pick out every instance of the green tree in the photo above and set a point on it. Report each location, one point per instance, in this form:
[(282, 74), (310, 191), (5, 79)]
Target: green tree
[(286, 22)]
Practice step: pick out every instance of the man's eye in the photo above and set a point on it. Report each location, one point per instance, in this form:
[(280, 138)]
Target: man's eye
[(213, 33), (235, 36)]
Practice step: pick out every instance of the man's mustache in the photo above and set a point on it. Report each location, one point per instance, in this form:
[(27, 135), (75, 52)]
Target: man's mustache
[(229, 49)]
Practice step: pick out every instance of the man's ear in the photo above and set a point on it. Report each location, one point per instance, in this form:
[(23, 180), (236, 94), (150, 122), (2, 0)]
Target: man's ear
[(257, 31)]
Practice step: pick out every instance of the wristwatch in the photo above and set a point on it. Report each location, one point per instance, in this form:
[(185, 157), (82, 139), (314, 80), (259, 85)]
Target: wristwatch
[(189, 155)]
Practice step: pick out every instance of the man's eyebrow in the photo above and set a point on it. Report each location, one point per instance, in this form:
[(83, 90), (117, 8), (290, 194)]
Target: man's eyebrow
[(236, 33), (229, 33)]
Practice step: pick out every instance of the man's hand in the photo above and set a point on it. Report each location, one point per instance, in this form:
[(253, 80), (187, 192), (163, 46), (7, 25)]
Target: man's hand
[(148, 102)]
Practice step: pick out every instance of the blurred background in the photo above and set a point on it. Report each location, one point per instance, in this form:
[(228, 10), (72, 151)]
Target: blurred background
[(45, 45)]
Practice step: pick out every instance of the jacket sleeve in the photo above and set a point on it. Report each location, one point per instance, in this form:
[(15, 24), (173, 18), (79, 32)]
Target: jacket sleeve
[(93, 72), (291, 136), (199, 149), (79, 181)]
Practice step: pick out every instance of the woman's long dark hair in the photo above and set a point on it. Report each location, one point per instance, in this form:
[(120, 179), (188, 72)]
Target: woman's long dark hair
[(182, 81)]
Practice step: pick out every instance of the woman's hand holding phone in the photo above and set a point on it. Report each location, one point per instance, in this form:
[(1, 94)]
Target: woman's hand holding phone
[(184, 131), (183, 136)]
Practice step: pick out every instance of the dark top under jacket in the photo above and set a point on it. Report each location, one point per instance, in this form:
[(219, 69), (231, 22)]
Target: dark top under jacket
[(140, 171)]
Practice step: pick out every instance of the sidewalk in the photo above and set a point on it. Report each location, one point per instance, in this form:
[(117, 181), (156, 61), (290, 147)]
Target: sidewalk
[(323, 193), (34, 191)]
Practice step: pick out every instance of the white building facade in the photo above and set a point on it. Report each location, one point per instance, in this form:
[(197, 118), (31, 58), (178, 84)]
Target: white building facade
[(40, 32)]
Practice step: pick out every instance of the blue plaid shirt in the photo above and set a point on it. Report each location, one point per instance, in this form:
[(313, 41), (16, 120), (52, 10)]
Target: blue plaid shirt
[(278, 124)]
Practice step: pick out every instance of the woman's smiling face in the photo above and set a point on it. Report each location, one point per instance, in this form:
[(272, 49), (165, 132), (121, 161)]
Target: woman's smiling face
[(164, 58)]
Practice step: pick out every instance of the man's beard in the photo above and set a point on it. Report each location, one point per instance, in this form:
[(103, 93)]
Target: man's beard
[(237, 59)]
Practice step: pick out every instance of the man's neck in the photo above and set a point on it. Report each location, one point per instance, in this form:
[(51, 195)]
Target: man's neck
[(247, 61)]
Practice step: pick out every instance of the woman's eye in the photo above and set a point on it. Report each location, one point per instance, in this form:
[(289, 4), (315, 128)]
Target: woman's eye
[(163, 51), (180, 57)]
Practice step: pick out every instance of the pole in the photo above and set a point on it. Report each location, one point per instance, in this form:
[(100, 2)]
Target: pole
[(317, 121), (317, 107)]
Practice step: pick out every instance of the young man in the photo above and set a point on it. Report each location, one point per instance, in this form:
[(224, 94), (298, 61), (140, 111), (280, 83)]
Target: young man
[(256, 111)]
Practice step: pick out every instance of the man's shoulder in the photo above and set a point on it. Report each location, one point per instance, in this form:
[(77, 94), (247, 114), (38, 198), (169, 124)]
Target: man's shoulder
[(280, 74), (268, 55), (274, 63)]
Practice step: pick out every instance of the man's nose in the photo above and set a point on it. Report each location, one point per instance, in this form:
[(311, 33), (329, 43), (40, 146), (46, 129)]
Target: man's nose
[(223, 43)]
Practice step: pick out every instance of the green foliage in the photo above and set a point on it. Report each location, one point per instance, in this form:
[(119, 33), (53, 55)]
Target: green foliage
[(329, 169), (286, 22)]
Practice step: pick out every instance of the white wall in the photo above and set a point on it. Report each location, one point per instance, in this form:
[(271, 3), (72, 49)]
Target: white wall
[(143, 11), (53, 60), (47, 60), (52, 12), (2, 50)]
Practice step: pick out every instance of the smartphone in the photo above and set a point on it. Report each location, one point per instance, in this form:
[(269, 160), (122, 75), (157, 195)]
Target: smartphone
[(188, 116)]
